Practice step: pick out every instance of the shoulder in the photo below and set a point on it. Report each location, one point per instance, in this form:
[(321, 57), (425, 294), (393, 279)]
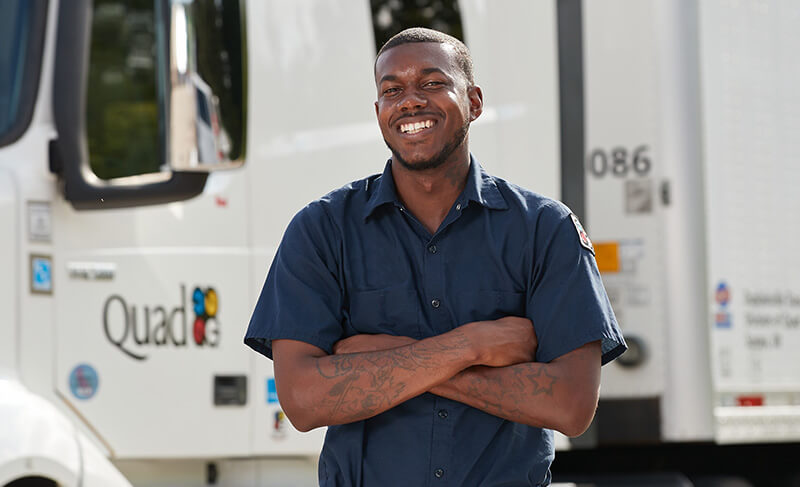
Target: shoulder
[(535, 208), (332, 208), (547, 221), (318, 229)]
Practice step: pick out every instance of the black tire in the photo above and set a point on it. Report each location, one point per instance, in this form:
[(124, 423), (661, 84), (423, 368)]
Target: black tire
[(32, 482)]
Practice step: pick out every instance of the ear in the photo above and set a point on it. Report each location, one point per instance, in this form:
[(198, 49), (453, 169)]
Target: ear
[(475, 95), (376, 108)]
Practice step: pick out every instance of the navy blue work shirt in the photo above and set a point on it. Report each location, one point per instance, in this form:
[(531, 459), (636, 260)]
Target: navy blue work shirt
[(356, 261)]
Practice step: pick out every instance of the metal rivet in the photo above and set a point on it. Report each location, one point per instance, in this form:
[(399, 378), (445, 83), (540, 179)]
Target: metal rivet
[(435, 303)]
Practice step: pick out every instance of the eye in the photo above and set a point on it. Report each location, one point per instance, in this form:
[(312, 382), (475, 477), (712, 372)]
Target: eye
[(391, 91), (433, 84)]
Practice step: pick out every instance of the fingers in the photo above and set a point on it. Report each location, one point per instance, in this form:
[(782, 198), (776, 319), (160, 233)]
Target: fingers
[(506, 341)]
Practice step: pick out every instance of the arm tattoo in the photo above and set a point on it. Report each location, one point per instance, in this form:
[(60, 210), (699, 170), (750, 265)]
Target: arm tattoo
[(508, 394), (362, 384), (342, 364)]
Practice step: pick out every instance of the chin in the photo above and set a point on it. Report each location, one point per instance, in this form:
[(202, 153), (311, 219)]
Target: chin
[(422, 160), (419, 163)]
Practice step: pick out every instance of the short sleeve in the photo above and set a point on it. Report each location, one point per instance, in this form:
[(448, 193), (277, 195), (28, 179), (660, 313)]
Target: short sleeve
[(566, 298), (301, 298)]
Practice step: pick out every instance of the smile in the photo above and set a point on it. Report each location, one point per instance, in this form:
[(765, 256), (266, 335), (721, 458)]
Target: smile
[(416, 127)]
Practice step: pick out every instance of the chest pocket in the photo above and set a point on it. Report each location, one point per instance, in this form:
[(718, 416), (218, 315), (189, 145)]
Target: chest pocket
[(394, 311), (488, 305)]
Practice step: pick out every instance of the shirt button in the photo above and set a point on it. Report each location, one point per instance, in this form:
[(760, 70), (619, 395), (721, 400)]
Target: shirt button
[(436, 303), (439, 473), (443, 413), (432, 249), (458, 207)]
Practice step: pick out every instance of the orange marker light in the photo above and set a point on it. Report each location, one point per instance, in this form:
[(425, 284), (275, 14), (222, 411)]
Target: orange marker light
[(607, 256)]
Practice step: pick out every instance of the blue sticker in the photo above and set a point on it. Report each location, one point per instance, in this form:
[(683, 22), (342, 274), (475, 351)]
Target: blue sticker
[(722, 319), (83, 381), (272, 392), (41, 275)]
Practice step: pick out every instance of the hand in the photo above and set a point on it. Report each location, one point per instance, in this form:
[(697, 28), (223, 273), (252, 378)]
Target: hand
[(508, 341), (370, 343)]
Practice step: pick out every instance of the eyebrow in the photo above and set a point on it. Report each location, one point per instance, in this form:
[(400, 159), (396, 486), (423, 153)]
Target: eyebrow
[(433, 70), (391, 77)]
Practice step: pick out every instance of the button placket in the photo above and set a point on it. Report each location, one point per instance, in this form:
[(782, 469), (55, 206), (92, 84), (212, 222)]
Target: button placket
[(442, 440), (433, 253)]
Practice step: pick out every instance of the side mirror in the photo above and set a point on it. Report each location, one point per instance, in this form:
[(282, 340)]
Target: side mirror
[(142, 118), (206, 108)]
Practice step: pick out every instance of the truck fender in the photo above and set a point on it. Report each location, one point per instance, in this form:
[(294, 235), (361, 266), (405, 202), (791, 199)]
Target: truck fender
[(38, 440)]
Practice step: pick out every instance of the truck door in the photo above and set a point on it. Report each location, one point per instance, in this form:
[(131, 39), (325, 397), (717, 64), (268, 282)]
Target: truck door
[(151, 301)]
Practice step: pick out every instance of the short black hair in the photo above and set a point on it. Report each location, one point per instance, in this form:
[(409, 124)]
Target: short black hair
[(421, 34)]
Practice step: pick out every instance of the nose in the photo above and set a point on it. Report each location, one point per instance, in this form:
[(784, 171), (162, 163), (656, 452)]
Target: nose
[(412, 100)]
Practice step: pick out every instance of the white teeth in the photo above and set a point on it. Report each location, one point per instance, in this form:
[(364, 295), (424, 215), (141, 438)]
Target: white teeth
[(414, 127)]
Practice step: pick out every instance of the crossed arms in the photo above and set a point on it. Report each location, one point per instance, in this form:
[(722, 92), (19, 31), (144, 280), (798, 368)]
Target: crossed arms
[(487, 365)]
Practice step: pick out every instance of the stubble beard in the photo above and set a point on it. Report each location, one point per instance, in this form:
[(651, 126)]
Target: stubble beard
[(438, 159)]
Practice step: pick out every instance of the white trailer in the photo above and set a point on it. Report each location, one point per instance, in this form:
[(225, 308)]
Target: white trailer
[(691, 111), (150, 154)]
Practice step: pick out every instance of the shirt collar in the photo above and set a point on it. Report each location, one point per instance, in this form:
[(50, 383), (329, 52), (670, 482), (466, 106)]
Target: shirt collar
[(480, 188), (383, 190)]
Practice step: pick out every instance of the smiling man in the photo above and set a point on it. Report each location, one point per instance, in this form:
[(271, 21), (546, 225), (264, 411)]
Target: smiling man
[(400, 309)]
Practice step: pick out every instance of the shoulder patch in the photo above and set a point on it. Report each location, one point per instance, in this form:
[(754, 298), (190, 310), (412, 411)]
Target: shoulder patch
[(583, 237)]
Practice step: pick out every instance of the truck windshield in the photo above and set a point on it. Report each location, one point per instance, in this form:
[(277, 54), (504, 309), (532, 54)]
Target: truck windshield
[(15, 21)]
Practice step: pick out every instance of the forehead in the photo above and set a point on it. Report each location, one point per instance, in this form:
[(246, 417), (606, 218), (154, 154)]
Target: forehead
[(412, 58)]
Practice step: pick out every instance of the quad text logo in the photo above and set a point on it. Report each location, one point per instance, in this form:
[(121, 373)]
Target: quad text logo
[(136, 328)]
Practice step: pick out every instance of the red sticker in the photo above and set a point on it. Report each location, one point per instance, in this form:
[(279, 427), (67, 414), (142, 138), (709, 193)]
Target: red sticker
[(584, 238)]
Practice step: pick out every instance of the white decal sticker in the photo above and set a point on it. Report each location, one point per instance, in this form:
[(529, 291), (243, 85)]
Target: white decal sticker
[(638, 196), (40, 228)]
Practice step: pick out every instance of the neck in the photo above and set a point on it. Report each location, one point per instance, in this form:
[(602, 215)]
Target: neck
[(430, 194)]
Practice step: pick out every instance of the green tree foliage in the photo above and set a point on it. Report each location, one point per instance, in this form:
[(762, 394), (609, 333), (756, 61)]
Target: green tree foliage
[(122, 121)]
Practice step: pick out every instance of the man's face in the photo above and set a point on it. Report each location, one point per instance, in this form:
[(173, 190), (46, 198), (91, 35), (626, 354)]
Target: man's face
[(425, 104)]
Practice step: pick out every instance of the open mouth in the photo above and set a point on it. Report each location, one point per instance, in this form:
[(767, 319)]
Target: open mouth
[(411, 128)]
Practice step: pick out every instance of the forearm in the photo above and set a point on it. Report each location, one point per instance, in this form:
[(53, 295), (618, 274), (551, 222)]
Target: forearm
[(525, 393), (497, 391), (560, 395), (338, 389)]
